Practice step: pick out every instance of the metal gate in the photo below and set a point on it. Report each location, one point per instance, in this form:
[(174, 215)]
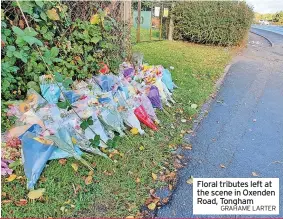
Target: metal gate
[(151, 22)]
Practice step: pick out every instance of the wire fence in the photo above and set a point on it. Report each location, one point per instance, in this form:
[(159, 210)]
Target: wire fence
[(117, 10)]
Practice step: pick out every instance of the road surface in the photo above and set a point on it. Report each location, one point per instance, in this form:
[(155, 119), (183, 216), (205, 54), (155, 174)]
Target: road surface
[(273, 33), (243, 129), (271, 28)]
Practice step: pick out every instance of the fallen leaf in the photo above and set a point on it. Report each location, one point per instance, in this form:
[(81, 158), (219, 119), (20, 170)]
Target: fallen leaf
[(177, 164), (190, 131), (62, 161), (194, 106), (141, 148), (170, 187), (11, 178), (95, 19), (75, 166), (42, 179), (35, 194), (78, 188), (254, 174), (91, 173), (152, 192), (190, 180), (165, 200), (6, 201), (21, 24), (88, 180), (107, 173), (222, 166), (67, 202), (138, 180), (52, 14), (62, 209), (22, 202), (134, 131), (151, 206), (20, 177), (3, 194), (154, 176), (187, 146)]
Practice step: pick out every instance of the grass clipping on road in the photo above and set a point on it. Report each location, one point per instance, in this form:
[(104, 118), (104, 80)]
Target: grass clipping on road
[(119, 188)]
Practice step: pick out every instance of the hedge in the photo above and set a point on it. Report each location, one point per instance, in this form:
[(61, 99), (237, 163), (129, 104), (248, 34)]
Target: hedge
[(69, 45), (219, 23)]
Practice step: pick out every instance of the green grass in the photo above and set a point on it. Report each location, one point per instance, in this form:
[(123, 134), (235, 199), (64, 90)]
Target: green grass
[(115, 192)]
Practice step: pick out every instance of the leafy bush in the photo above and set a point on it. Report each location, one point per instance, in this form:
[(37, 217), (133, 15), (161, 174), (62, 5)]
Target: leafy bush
[(73, 48), (221, 23)]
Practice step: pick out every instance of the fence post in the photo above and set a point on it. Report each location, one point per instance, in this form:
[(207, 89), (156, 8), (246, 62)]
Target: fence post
[(127, 13), (161, 16), (171, 24), (139, 22)]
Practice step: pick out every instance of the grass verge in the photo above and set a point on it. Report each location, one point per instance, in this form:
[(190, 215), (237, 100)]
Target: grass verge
[(116, 192)]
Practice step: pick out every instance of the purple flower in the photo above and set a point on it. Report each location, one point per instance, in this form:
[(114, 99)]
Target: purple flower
[(5, 167)]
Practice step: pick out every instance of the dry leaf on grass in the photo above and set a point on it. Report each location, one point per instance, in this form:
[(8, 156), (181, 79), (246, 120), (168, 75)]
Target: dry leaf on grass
[(35, 194), (22, 202), (88, 180), (138, 180), (75, 166), (154, 176), (194, 106), (141, 148), (151, 206), (91, 173), (11, 178), (6, 201), (62, 161)]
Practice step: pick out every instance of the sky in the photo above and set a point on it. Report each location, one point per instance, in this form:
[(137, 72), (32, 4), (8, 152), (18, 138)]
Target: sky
[(266, 6)]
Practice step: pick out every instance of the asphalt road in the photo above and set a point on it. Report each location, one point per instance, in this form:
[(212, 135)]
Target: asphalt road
[(243, 129), (271, 28), (276, 38)]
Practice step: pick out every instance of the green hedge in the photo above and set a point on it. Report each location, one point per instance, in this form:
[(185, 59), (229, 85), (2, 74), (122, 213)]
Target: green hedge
[(219, 23), (69, 45)]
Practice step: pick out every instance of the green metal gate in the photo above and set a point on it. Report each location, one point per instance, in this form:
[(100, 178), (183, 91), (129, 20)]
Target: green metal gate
[(150, 22)]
